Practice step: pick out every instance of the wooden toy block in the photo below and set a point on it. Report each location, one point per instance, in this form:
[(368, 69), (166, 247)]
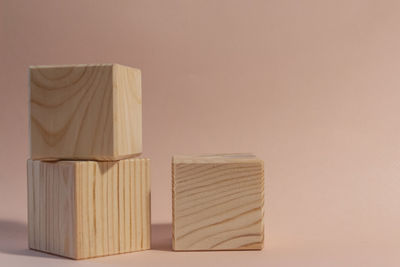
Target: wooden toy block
[(84, 209), (218, 202), (91, 112)]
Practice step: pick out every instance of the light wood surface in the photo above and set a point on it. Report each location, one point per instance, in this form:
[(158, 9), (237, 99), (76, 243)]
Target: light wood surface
[(84, 209), (218, 202), (85, 112)]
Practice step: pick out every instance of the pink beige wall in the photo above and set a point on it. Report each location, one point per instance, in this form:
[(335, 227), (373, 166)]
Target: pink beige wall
[(312, 87)]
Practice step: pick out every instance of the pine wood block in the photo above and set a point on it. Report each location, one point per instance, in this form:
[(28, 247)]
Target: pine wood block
[(89, 112), (84, 209), (218, 202)]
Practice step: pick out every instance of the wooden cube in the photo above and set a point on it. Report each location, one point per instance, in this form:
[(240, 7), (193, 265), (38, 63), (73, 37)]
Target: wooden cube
[(89, 112), (218, 202), (84, 209)]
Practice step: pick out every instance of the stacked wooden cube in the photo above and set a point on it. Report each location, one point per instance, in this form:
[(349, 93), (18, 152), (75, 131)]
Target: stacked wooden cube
[(88, 191)]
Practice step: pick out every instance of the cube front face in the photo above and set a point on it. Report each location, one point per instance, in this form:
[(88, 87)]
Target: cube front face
[(218, 204), (51, 208), (85, 112), (88, 209)]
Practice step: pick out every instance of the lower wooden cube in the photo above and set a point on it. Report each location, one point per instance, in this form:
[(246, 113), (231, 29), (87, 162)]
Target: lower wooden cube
[(84, 209), (218, 202)]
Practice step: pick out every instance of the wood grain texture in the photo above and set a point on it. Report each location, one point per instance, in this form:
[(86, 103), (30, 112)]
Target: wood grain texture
[(84, 209), (218, 202), (85, 112)]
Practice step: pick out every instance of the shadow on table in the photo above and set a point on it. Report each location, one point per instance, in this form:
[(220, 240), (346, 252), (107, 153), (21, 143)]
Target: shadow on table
[(161, 236), (14, 240)]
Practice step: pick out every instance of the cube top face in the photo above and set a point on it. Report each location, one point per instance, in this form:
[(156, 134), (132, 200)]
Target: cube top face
[(85, 112), (218, 202), (215, 158), (85, 209)]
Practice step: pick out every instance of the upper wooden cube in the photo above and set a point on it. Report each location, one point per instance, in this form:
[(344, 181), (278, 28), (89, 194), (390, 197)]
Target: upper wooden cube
[(85, 112)]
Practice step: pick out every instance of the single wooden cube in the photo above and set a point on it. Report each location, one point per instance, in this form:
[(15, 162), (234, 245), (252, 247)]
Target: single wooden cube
[(91, 112), (218, 202), (84, 209)]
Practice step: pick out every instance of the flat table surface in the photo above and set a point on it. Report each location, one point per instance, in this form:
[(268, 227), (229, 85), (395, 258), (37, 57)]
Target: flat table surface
[(351, 252)]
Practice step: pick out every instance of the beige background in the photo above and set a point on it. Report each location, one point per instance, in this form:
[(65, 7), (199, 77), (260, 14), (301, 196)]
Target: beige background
[(312, 87)]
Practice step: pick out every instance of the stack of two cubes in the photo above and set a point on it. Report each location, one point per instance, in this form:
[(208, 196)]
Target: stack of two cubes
[(88, 193)]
